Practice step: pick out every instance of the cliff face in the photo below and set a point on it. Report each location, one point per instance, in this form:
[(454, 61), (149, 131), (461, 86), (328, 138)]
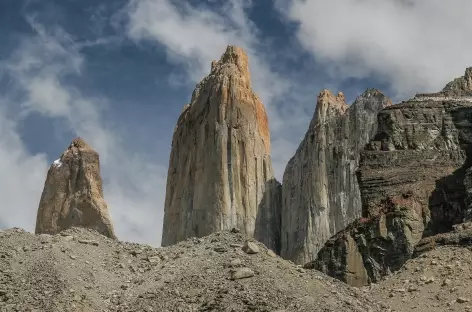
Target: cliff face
[(73, 194), (320, 190), (411, 177), (220, 173)]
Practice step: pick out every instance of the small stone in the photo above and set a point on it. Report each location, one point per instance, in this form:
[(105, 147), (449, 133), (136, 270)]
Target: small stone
[(429, 280), (235, 262), (270, 253), (434, 262), (152, 259), (462, 300), (250, 247), (412, 288), (236, 245), (73, 257), (219, 249), (446, 282), (135, 252), (242, 273), (88, 242), (68, 238)]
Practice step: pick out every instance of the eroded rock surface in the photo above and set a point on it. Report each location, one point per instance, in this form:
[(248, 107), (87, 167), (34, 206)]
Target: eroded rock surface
[(411, 177), (220, 172), (320, 192), (73, 194)]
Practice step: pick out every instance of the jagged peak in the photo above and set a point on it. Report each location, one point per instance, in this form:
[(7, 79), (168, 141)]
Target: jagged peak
[(233, 56), (327, 100), (463, 83), (374, 92), (79, 143)]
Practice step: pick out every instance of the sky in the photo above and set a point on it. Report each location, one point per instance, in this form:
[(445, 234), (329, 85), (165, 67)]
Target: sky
[(117, 73)]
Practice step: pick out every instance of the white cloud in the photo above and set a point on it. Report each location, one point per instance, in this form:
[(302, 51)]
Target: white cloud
[(192, 36), (21, 176), (133, 185), (414, 46)]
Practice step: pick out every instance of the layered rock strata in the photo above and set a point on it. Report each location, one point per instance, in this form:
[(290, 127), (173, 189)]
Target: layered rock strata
[(320, 190), (73, 194), (411, 177), (220, 174)]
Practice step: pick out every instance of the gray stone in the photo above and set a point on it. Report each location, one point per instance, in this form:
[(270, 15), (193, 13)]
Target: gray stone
[(250, 247), (241, 273), (320, 191)]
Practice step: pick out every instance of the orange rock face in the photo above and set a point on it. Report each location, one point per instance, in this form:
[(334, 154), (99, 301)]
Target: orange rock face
[(220, 173)]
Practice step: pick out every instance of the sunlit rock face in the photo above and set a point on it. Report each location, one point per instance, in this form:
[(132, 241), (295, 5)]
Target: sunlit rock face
[(220, 172), (73, 194)]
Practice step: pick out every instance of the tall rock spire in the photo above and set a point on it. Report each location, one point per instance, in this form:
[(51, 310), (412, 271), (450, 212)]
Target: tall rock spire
[(220, 173), (320, 190), (73, 194)]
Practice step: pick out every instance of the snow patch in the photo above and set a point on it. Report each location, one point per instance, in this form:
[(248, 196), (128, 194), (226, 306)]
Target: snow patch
[(57, 163)]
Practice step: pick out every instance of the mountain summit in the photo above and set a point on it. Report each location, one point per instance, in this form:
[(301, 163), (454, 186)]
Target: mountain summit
[(220, 173), (73, 194)]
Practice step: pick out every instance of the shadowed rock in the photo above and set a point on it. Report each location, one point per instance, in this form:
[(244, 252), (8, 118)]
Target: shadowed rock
[(320, 190), (73, 194), (413, 183)]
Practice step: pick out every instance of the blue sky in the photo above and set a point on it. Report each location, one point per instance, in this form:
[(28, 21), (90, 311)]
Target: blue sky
[(119, 72)]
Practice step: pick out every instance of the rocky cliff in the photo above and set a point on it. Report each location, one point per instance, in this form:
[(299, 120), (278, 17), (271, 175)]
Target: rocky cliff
[(220, 174), (411, 177), (73, 194), (320, 190)]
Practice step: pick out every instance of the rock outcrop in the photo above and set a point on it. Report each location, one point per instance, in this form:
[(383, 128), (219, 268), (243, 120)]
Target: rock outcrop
[(320, 190), (220, 174), (73, 194), (411, 177)]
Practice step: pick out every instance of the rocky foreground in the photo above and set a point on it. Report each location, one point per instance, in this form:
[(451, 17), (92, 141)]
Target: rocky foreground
[(439, 280), (81, 270)]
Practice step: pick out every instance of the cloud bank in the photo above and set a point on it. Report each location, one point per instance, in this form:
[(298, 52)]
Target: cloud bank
[(415, 46)]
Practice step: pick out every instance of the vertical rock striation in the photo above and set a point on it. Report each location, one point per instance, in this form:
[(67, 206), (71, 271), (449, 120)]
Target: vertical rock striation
[(220, 173), (320, 190), (413, 183), (73, 194)]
